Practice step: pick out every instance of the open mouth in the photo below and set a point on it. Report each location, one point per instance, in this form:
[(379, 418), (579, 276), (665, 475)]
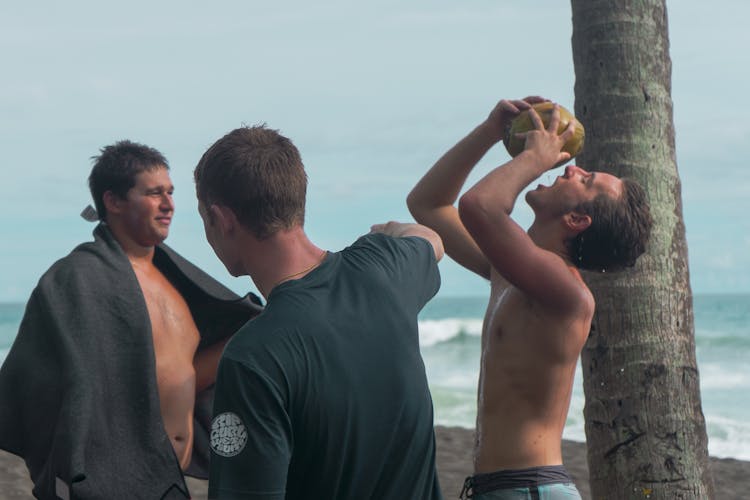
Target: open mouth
[(556, 180), (549, 183)]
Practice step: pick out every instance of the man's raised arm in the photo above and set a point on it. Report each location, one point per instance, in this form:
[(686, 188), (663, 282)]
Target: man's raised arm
[(485, 211), (432, 201)]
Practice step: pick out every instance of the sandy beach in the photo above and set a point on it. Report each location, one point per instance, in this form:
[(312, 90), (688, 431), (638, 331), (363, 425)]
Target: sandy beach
[(454, 444)]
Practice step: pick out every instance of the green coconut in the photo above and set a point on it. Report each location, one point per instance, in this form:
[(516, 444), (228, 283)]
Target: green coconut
[(522, 123)]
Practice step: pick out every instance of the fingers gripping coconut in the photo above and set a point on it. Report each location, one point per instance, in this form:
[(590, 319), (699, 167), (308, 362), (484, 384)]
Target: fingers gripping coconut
[(515, 140)]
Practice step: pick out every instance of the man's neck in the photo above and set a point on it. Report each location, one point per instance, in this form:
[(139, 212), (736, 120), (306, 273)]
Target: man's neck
[(136, 252), (141, 262), (548, 238), (283, 256)]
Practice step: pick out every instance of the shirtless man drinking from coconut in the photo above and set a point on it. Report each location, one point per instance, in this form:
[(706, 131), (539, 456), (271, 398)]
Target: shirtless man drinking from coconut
[(540, 309)]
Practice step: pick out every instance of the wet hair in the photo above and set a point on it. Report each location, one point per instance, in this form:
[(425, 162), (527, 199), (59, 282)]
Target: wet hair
[(619, 231), (258, 174), (116, 168)]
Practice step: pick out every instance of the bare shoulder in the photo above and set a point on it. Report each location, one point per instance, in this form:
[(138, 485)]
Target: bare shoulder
[(566, 299), (578, 277), (544, 278), (563, 291), (581, 301)]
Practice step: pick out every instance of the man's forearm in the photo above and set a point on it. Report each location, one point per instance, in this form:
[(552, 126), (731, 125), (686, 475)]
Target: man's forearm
[(442, 184), (498, 190)]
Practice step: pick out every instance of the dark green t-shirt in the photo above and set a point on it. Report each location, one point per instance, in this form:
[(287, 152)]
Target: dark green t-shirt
[(324, 395)]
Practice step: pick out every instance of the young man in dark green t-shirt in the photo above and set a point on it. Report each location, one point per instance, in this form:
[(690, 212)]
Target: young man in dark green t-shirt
[(325, 394)]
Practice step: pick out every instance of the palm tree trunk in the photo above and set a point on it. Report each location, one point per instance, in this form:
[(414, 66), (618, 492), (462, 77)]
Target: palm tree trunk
[(645, 428)]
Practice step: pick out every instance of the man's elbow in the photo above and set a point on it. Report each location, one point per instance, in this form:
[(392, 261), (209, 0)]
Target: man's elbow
[(470, 209), (475, 213), (414, 206)]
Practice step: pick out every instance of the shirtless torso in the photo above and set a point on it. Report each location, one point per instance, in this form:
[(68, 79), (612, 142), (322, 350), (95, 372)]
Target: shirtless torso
[(175, 339), (540, 310), (529, 357), (139, 221)]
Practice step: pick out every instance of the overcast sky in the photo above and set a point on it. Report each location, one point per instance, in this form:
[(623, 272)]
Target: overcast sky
[(371, 94)]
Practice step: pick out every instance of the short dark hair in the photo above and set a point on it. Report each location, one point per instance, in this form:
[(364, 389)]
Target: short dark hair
[(116, 167), (258, 174), (619, 231)]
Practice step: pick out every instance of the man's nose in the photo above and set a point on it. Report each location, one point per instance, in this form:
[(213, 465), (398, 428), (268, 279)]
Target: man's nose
[(167, 203), (574, 169)]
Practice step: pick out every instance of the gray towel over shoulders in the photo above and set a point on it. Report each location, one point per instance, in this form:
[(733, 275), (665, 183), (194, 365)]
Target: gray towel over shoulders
[(78, 395)]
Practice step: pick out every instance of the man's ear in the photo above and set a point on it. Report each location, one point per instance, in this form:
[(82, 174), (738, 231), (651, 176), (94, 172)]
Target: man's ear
[(224, 218), (112, 202), (577, 222)]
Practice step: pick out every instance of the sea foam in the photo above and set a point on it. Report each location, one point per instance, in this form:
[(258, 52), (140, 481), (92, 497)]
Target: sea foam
[(728, 437), (433, 332), (723, 376)]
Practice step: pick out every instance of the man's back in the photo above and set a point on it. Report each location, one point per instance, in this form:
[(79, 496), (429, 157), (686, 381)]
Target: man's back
[(336, 398), (529, 357)]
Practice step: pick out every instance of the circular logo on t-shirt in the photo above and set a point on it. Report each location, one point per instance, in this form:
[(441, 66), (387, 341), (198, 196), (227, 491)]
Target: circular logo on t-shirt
[(228, 434)]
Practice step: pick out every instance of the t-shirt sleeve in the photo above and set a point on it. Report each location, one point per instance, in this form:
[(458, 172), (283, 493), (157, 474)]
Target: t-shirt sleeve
[(410, 264), (251, 437)]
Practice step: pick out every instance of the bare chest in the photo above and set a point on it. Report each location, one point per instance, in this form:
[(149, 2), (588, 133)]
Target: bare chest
[(175, 335), (518, 327)]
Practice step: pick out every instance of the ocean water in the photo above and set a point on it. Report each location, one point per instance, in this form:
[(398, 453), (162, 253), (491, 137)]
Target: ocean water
[(450, 331)]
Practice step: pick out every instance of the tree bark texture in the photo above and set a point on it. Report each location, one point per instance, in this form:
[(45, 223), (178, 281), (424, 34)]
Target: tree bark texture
[(645, 428)]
